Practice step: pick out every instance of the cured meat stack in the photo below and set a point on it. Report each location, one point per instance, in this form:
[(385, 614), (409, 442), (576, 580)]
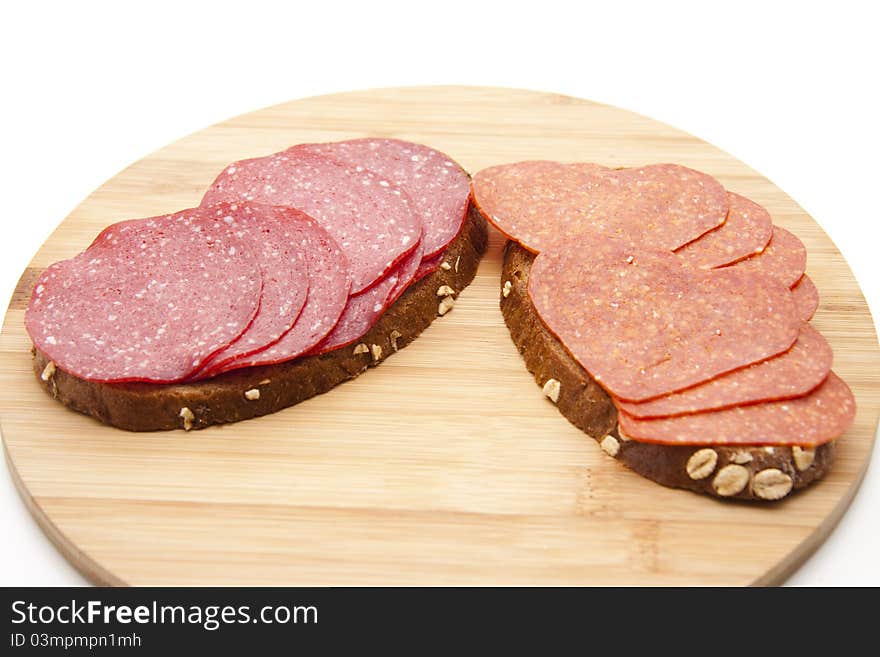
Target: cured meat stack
[(297, 253), (682, 300)]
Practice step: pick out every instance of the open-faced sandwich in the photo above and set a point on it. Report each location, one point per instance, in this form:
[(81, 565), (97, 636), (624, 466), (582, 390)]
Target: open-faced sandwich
[(298, 271), (668, 318)]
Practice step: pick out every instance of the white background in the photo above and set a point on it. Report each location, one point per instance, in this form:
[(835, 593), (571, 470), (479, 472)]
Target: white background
[(791, 89)]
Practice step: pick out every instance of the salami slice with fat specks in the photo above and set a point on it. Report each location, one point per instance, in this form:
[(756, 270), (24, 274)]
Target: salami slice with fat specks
[(150, 300), (784, 258), (406, 274), (276, 235), (745, 232), (541, 203), (364, 308), (371, 219), (806, 297), (329, 284), (361, 312), (644, 324), (790, 374), (428, 266), (437, 186), (816, 418)]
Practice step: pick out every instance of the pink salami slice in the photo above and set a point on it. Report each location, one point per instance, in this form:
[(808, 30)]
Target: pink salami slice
[(406, 275), (437, 186), (371, 219), (429, 266), (806, 297), (790, 374), (540, 203), (816, 418), (746, 232), (644, 324), (151, 300), (361, 312), (276, 235), (784, 258), (366, 307), (329, 284)]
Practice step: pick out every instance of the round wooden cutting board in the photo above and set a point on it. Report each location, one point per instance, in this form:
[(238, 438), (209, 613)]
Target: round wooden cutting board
[(445, 465)]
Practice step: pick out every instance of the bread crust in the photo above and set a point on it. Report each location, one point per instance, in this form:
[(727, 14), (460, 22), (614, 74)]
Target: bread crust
[(230, 397), (731, 472)]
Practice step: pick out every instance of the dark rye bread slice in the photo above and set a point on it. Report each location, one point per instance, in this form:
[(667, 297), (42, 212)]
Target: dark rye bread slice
[(741, 472), (253, 391)]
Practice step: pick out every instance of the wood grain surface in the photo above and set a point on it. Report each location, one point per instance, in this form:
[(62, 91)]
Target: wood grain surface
[(445, 465)]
